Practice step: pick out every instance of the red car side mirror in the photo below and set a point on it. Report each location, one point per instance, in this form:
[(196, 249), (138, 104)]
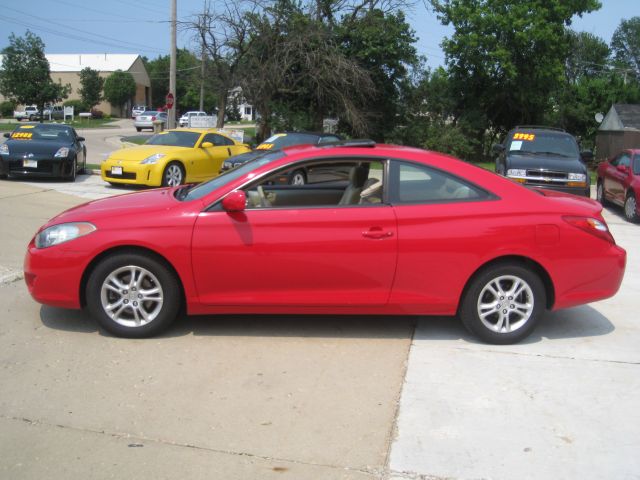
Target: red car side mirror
[(622, 168), (236, 201)]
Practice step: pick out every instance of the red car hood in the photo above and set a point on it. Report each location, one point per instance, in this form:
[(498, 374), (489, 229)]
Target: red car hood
[(140, 204)]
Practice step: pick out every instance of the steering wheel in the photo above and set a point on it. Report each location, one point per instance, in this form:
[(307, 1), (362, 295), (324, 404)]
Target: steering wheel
[(264, 202)]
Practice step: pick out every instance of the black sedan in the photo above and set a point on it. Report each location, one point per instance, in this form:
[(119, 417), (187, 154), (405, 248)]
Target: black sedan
[(43, 150), (280, 140)]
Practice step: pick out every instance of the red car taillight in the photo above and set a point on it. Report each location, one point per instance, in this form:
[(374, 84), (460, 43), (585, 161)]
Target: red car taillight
[(591, 225), (153, 119)]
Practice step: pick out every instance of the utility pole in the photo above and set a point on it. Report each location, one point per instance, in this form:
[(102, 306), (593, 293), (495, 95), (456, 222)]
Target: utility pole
[(172, 67), (202, 70)]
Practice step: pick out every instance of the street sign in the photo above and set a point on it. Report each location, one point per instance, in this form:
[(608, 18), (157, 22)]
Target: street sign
[(169, 100)]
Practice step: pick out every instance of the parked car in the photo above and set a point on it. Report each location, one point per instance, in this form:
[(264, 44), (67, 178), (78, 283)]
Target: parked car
[(171, 158), (138, 110), (412, 233), (184, 119), (43, 150), (619, 182), (30, 113), (282, 140), (544, 157), (54, 112), (146, 119)]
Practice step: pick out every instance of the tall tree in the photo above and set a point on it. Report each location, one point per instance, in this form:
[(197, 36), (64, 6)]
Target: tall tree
[(383, 45), (222, 31), (119, 88), (187, 81), (625, 44), (299, 69), (25, 76), (588, 56), (91, 84), (505, 58)]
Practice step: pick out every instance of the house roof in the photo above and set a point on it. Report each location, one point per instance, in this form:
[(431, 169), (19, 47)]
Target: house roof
[(102, 62), (620, 117)]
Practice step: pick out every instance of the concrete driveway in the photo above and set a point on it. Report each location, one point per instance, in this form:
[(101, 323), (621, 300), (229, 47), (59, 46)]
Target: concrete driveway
[(299, 397)]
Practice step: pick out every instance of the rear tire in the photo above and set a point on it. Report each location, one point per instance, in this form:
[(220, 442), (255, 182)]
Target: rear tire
[(133, 295), (630, 208), (503, 303)]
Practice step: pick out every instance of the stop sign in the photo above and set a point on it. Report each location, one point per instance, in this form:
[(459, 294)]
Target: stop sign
[(169, 100)]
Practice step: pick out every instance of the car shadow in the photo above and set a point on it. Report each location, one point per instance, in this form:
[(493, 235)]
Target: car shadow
[(577, 322), (618, 213), (312, 326)]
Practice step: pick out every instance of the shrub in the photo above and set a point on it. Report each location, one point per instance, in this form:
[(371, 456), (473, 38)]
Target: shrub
[(6, 109), (95, 113), (78, 106)]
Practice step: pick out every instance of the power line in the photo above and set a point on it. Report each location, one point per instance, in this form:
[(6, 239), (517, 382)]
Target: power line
[(70, 36), (102, 12), (136, 45)]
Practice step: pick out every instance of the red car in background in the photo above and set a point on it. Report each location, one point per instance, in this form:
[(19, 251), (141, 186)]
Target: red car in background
[(619, 182), (410, 232)]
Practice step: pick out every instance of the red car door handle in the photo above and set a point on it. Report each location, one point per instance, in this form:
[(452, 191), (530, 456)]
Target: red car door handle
[(376, 233)]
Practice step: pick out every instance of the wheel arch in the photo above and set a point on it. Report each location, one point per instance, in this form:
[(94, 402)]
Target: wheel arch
[(526, 262), (133, 249)]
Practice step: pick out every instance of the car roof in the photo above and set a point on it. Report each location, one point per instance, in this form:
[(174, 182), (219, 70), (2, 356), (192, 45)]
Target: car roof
[(538, 128), (199, 130)]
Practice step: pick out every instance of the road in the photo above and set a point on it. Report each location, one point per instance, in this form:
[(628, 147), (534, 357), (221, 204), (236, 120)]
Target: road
[(239, 397)]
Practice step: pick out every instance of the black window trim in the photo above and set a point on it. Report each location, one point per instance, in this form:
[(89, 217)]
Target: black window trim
[(217, 204)]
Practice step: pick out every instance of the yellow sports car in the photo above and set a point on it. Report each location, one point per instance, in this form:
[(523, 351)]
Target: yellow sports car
[(171, 158)]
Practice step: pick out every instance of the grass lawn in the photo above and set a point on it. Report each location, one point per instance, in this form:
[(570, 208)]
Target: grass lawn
[(78, 123)]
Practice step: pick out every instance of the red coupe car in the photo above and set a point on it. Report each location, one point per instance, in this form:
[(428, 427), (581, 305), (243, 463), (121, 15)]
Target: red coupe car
[(619, 182), (410, 232)]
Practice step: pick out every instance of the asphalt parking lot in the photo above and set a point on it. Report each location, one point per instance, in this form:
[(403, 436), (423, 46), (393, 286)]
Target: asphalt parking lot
[(310, 397)]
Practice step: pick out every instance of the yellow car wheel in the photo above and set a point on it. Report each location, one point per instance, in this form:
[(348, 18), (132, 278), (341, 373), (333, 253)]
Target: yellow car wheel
[(173, 175)]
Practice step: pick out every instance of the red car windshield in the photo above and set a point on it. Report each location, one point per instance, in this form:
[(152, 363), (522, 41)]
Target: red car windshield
[(192, 193)]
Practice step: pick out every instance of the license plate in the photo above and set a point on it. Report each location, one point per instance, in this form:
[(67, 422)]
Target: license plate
[(116, 170), (30, 163)]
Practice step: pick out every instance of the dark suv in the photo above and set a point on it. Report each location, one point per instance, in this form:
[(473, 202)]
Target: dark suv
[(544, 157)]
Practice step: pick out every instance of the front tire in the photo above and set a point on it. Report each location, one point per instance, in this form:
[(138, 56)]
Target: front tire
[(503, 303), (138, 129), (631, 208), (74, 171), (173, 175), (600, 194), (133, 295)]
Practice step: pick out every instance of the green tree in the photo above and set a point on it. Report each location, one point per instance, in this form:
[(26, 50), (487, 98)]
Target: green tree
[(119, 88), (25, 76), (295, 72), (588, 56), (383, 45), (625, 44), (187, 81), (91, 84), (506, 58)]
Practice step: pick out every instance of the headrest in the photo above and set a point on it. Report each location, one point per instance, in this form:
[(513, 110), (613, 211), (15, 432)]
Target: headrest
[(358, 175)]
